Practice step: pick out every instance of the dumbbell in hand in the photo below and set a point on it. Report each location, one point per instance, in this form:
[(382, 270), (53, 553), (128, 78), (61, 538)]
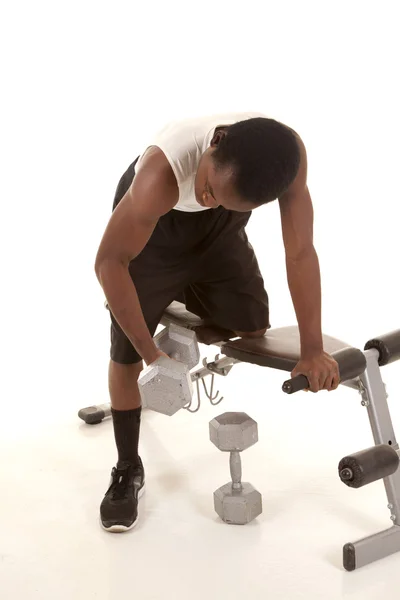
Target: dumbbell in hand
[(165, 385), (236, 502)]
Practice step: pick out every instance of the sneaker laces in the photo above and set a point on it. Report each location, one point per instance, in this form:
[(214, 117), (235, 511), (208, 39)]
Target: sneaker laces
[(121, 478), (119, 484)]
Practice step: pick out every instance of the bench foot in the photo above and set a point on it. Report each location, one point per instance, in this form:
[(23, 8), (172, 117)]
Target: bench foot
[(372, 548), (92, 415)]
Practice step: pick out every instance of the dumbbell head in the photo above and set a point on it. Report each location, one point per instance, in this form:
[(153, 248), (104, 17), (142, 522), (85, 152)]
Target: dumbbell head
[(180, 344), (233, 432), (165, 386), (237, 507)]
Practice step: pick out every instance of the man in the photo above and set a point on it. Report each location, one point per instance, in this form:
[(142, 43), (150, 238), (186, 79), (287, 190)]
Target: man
[(178, 231)]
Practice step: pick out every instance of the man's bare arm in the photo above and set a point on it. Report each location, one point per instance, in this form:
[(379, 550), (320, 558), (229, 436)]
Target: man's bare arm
[(302, 263), (153, 193)]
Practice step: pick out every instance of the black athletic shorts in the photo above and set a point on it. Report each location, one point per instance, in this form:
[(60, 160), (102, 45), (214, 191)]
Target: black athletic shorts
[(201, 258)]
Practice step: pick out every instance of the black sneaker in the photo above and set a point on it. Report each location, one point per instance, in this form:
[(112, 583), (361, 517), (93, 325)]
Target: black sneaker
[(119, 509)]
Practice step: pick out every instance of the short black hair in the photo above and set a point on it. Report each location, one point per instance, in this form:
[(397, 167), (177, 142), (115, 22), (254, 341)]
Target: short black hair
[(264, 155)]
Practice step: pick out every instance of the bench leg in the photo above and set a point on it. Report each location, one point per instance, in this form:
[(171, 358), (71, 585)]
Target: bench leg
[(92, 415), (380, 545), (368, 550)]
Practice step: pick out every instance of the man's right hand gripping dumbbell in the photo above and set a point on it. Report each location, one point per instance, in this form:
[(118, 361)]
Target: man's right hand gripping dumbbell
[(165, 385)]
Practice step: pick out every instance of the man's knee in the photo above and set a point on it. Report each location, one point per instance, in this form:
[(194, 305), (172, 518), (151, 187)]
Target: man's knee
[(252, 334), (125, 371)]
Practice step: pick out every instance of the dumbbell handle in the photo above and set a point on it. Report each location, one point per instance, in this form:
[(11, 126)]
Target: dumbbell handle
[(235, 463)]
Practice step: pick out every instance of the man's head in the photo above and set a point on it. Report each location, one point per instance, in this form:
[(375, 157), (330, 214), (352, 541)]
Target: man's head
[(248, 164)]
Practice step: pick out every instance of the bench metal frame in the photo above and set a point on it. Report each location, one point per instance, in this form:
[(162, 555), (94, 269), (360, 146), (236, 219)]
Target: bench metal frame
[(374, 397)]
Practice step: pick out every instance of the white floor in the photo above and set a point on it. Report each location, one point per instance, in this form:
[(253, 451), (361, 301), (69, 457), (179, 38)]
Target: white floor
[(54, 475)]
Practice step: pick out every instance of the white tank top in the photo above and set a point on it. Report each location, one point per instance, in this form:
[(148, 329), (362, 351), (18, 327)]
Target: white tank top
[(183, 143)]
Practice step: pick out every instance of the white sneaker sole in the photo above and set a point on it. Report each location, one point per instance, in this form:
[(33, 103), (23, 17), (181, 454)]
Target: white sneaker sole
[(123, 528)]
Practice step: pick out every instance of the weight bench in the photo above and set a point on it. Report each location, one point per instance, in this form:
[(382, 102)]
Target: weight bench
[(359, 370)]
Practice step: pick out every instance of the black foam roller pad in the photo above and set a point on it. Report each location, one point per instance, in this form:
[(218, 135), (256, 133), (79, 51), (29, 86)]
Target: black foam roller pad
[(369, 465), (388, 346)]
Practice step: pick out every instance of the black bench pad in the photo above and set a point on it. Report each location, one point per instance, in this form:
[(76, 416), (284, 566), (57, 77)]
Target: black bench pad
[(206, 331), (278, 349)]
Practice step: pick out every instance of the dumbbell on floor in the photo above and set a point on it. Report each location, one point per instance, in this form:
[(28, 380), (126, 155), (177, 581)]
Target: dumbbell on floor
[(236, 502), (166, 386)]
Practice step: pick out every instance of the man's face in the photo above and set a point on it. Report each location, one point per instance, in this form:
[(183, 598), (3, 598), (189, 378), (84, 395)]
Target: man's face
[(215, 189)]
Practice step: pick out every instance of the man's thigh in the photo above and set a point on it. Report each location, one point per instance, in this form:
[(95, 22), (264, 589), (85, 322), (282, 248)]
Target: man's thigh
[(231, 289)]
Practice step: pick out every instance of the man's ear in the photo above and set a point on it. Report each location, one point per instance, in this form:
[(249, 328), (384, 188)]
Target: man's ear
[(218, 136)]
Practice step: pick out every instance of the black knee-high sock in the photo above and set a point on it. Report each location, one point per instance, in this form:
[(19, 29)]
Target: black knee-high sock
[(126, 432)]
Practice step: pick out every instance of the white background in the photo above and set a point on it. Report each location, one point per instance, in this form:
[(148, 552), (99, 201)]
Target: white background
[(83, 87)]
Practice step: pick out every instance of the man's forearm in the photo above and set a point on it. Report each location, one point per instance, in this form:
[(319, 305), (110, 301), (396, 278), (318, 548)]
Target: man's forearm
[(124, 304), (304, 280)]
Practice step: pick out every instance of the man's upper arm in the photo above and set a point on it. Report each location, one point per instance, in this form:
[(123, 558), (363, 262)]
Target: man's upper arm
[(153, 193), (297, 215)]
